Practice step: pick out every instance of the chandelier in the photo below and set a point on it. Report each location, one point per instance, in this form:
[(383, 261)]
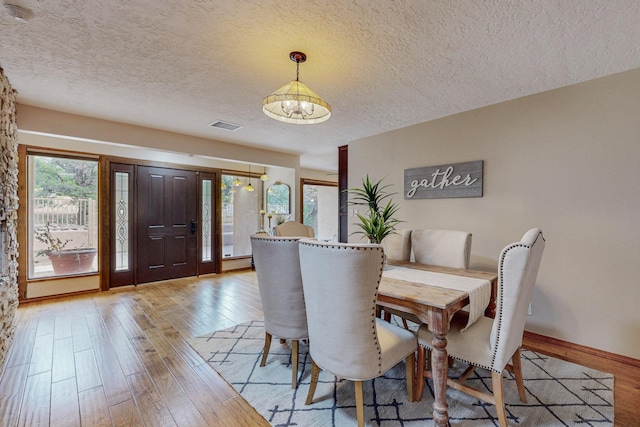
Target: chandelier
[(295, 102)]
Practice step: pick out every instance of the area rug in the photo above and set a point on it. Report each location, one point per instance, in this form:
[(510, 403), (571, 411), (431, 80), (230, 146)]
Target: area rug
[(558, 393)]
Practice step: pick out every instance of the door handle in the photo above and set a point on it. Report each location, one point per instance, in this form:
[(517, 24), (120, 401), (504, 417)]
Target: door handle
[(193, 226)]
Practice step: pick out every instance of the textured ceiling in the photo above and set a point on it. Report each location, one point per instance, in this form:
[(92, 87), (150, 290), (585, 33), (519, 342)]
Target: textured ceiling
[(179, 65)]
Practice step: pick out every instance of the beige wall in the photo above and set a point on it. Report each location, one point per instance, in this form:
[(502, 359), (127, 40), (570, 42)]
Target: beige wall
[(565, 161)]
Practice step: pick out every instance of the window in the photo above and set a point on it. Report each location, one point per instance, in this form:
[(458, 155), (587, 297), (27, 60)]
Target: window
[(63, 218), (240, 214), (206, 221), (122, 210)]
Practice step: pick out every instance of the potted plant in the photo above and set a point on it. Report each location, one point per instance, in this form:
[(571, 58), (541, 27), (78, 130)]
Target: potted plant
[(64, 260), (378, 222), (280, 218)]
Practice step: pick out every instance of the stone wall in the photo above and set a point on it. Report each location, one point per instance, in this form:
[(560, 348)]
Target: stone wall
[(8, 216)]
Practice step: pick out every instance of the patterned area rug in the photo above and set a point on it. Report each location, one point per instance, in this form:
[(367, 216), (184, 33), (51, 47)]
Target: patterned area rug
[(558, 393)]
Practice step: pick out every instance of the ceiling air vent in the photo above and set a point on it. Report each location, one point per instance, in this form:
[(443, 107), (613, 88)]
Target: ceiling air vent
[(224, 125)]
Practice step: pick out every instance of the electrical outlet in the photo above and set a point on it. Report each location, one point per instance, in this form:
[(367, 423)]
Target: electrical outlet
[(529, 312)]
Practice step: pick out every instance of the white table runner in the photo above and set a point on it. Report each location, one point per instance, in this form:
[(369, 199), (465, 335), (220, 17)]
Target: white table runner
[(479, 290)]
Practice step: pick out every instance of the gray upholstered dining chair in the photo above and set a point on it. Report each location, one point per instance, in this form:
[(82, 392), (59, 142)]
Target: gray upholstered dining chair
[(293, 228), (447, 248), (340, 283), (277, 266), (492, 343)]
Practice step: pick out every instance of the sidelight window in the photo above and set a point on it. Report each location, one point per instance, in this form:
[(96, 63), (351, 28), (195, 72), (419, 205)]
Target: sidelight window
[(207, 220)]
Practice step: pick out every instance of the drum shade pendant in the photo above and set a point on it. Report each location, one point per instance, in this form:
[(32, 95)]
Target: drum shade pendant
[(295, 102)]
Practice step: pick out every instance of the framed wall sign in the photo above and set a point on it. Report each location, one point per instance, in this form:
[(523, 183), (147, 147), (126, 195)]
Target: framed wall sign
[(444, 181)]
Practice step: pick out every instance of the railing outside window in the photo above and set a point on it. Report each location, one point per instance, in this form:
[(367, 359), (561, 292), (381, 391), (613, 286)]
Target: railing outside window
[(63, 212), (63, 216)]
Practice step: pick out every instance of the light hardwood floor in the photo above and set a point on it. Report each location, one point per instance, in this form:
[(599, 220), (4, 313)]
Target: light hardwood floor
[(120, 358)]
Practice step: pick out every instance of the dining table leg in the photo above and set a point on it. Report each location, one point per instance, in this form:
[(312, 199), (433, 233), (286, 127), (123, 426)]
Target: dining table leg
[(439, 325), (439, 366)]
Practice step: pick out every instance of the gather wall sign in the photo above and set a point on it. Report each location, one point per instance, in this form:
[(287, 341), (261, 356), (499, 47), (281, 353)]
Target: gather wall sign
[(444, 181)]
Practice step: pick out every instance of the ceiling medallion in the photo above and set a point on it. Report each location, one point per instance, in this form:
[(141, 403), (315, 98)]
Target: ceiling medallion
[(20, 13)]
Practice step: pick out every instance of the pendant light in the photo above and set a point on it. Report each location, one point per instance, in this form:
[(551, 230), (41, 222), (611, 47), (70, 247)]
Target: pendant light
[(295, 102), (249, 187)]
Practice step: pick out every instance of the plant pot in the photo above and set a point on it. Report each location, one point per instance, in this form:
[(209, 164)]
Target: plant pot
[(72, 261)]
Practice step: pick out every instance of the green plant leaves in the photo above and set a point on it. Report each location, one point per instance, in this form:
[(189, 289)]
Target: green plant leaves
[(379, 222), (54, 244)]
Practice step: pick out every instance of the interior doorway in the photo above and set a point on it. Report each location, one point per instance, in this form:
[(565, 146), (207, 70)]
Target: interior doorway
[(163, 223), (319, 207)]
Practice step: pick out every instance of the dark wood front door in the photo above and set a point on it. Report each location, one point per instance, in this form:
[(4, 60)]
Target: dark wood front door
[(167, 217)]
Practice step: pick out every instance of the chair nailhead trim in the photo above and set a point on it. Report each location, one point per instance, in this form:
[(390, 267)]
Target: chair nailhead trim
[(373, 308), (277, 238), (501, 300), (463, 360)]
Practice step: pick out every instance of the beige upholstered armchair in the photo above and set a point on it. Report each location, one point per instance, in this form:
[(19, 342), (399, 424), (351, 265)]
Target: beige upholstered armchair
[(492, 343), (293, 228), (397, 246), (340, 283), (448, 248), (278, 269)]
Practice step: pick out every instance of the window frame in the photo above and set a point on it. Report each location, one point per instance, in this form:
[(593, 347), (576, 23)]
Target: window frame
[(23, 222), (316, 182), (258, 185)]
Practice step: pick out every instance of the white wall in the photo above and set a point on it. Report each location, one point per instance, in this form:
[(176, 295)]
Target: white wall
[(330, 176), (327, 208), (52, 129), (565, 161), (38, 120)]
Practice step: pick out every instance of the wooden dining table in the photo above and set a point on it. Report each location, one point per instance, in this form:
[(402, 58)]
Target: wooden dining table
[(435, 306)]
